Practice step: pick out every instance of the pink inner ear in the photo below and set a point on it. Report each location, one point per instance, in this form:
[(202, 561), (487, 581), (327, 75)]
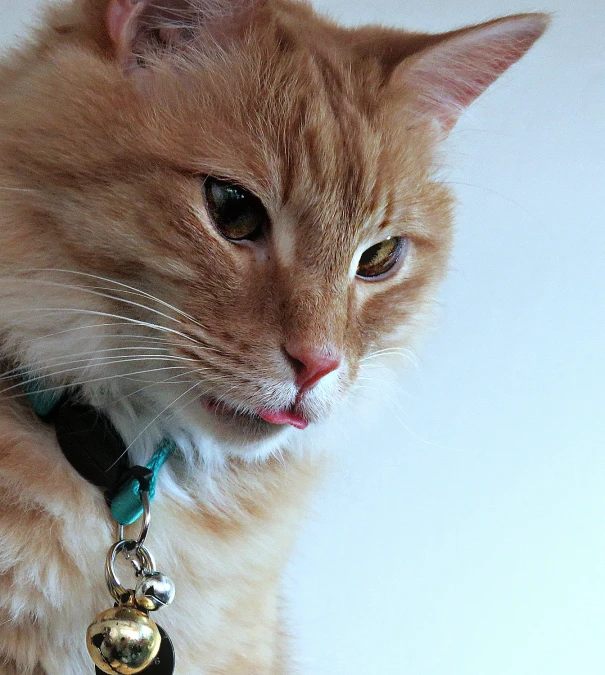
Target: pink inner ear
[(134, 25), (451, 75), (469, 73), (119, 15)]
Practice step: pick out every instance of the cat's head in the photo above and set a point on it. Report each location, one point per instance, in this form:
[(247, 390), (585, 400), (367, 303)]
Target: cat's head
[(221, 207)]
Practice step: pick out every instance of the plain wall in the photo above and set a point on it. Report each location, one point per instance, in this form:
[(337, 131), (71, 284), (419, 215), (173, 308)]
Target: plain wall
[(461, 529)]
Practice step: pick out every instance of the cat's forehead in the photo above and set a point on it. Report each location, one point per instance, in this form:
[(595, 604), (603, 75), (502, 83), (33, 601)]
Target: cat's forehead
[(302, 132), (303, 127), (345, 170), (330, 161)]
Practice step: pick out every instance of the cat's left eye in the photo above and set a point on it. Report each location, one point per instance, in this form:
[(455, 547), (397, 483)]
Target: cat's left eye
[(382, 258), (236, 213)]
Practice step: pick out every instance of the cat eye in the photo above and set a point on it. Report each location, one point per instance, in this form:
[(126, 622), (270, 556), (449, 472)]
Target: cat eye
[(236, 213), (382, 257)]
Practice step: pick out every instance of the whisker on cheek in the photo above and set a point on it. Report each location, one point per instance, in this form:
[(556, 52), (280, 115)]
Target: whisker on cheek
[(109, 315), (80, 383), (14, 189), (167, 381), (126, 287), (97, 293), (87, 364), (97, 336), (47, 364), (394, 351)]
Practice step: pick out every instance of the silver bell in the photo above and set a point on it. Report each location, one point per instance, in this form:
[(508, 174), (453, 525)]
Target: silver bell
[(155, 590)]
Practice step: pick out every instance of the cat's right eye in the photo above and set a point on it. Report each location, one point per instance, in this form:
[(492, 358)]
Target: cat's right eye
[(382, 258), (236, 213)]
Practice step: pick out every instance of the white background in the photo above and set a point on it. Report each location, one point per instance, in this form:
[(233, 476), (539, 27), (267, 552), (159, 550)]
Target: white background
[(462, 528)]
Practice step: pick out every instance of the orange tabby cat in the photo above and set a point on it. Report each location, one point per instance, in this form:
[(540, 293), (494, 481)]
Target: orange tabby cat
[(212, 211)]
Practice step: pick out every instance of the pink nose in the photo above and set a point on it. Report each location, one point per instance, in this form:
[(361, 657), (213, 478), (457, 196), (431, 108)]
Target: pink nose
[(311, 364)]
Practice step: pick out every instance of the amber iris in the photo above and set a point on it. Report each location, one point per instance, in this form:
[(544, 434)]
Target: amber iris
[(381, 258)]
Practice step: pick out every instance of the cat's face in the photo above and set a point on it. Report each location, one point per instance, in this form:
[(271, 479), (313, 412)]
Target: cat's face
[(222, 235)]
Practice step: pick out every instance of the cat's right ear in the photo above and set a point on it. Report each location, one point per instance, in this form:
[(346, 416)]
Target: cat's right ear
[(139, 29), (441, 81)]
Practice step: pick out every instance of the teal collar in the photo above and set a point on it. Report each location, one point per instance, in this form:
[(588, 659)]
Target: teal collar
[(126, 506), (95, 449)]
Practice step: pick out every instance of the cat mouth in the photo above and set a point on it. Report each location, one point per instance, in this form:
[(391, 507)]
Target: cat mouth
[(223, 410)]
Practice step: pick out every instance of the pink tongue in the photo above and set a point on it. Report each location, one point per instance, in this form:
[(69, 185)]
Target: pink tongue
[(283, 417)]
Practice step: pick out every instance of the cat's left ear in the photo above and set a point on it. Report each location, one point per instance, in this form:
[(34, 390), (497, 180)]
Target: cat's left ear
[(441, 81), (138, 28)]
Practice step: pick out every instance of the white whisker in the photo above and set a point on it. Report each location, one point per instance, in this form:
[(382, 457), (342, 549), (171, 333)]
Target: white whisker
[(47, 364), (126, 286), (104, 361), (79, 383), (109, 296), (394, 403), (109, 315), (391, 385), (14, 189), (97, 335), (195, 398), (144, 429), (169, 380), (395, 351)]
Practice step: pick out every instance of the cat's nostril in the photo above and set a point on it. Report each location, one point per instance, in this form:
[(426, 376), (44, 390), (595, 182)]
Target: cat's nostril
[(311, 365)]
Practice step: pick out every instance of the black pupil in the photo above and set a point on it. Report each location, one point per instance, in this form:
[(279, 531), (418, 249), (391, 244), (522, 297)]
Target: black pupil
[(236, 212), (380, 258), (368, 256)]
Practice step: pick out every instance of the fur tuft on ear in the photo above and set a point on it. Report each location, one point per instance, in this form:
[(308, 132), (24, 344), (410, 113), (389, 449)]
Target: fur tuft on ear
[(141, 28), (444, 79)]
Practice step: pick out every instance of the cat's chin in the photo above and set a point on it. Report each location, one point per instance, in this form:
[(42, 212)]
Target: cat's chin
[(238, 432), (247, 425), (212, 429), (256, 433)]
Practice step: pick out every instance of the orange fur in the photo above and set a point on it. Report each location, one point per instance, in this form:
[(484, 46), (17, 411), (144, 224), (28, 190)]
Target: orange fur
[(115, 280)]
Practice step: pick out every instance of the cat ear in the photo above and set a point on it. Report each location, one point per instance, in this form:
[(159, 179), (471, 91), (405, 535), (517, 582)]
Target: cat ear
[(144, 27), (444, 79)]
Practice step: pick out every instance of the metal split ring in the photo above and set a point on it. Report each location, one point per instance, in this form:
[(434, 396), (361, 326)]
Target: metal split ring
[(144, 564)]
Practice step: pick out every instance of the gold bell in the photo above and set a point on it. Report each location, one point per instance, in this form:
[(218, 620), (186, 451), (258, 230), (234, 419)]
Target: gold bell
[(123, 640)]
